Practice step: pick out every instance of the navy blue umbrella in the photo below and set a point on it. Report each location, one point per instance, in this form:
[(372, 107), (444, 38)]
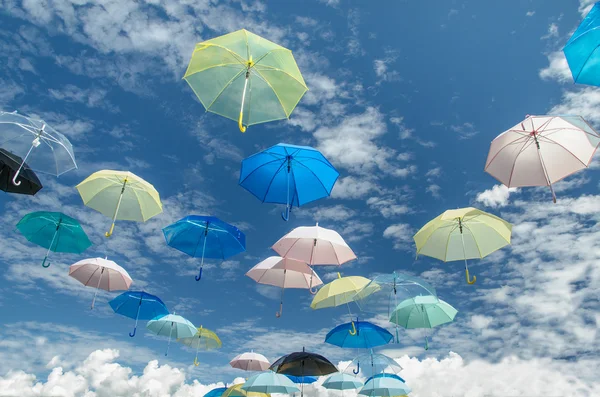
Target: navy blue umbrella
[(139, 305)]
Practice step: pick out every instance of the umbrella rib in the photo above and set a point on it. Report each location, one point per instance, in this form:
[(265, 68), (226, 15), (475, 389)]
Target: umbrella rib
[(92, 275), (326, 162), (448, 241), (514, 142), (475, 240), (567, 150), (274, 91), (224, 88), (271, 182), (525, 146), (315, 175), (260, 166), (271, 68)]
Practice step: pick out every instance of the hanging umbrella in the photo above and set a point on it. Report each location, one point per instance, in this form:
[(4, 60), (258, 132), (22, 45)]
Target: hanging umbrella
[(270, 382), (373, 363), (218, 392), (245, 78), (100, 273), (542, 150), (461, 234), (27, 181), (366, 335), (288, 174), (581, 50), (250, 361), (217, 239), (120, 195), (36, 144), (384, 386), (314, 245), (284, 273), (305, 380), (203, 340), (173, 326), (55, 231), (342, 381), (237, 391), (139, 305)]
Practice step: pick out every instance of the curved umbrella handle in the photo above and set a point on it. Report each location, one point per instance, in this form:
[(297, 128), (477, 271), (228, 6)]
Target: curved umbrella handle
[(242, 128), (313, 290), (353, 330), (196, 362), (357, 369), (467, 276), (426, 343), (133, 334), (199, 276), (18, 183), (110, 232), (286, 214), (44, 262)]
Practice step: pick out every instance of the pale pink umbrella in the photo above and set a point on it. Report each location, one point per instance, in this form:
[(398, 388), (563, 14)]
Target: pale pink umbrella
[(542, 150), (314, 245), (100, 273), (250, 361), (284, 273)]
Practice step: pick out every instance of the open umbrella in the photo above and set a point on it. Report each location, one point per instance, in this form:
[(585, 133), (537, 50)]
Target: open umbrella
[(173, 326), (582, 52), (203, 340), (270, 382), (288, 174), (305, 380), (237, 391), (217, 392), (384, 385), (342, 381), (139, 305), (55, 231), (372, 364), (365, 335), (205, 237), (250, 361), (27, 181), (245, 78)]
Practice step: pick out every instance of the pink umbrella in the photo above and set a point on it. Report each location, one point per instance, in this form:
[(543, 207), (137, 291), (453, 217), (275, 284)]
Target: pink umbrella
[(250, 362), (100, 273), (542, 150)]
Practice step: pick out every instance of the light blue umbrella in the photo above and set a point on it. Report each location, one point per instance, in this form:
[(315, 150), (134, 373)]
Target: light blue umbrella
[(372, 364), (384, 386), (342, 381), (288, 174), (216, 392), (172, 325), (139, 305), (205, 237), (270, 382), (582, 49)]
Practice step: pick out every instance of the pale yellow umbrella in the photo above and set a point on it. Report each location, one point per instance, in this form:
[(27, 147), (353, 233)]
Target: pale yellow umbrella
[(461, 234), (237, 391), (204, 339), (121, 195)]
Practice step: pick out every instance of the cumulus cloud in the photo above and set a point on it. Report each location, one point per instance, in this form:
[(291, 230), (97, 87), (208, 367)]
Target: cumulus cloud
[(495, 197), (401, 234)]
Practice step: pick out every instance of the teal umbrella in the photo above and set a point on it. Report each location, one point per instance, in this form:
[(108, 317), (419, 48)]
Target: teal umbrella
[(270, 382), (342, 381), (55, 231)]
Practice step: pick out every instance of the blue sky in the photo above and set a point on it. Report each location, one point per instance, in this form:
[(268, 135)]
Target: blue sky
[(404, 100)]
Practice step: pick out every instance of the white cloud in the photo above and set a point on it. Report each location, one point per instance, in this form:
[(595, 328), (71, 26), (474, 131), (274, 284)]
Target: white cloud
[(401, 234), (530, 13), (552, 32), (585, 6), (382, 69), (353, 187), (8, 92), (557, 69), (465, 130), (334, 213), (583, 103), (495, 197), (434, 190), (92, 98), (388, 206)]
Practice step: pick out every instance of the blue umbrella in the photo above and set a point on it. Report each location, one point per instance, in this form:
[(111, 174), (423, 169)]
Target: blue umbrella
[(288, 174), (139, 305), (216, 392), (373, 363), (582, 51), (386, 375), (206, 237), (302, 379), (269, 382), (367, 335)]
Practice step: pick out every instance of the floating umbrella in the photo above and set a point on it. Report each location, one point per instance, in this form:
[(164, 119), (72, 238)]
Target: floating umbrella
[(288, 174), (38, 146), (237, 391), (120, 195), (461, 234), (542, 150), (365, 335), (342, 381), (283, 273), (373, 363), (305, 380), (245, 78), (581, 50), (383, 385), (423, 312), (203, 340), (218, 392), (270, 382), (139, 305), (250, 361), (100, 273), (55, 231), (27, 181), (172, 325), (217, 239), (314, 245)]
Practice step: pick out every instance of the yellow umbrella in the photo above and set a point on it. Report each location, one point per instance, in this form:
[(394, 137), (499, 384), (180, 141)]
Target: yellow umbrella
[(461, 234), (339, 292), (237, 391), (121, 195), (204, 339)]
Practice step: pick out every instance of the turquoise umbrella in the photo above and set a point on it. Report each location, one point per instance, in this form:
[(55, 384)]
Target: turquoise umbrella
[(270, 382), (384, 385), (55, 231), (173, 326), (342, 381)]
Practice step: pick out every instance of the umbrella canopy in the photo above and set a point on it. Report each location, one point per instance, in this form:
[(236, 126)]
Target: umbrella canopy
[(358, 335), (542, 150), (55, 231), (246, 78), (305, 380), (237, 391), (270, 382), (581, 50), (250, 361), (205, 237), (461, 234), (284, 273), (384, 386), (37, 144), (386, 375), (218, 392), (338, 292), (203, 340), (139, 305), (302, 364), (173, 326), (288, 174), (120, 195), (370, 364), (100, 273), (27, 181), (342, 381)]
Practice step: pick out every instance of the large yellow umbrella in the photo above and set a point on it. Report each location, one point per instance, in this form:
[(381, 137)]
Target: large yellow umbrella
[(338, 292), (204, 339), (121, 195), (246, 78), (237, 391), (461, 234)]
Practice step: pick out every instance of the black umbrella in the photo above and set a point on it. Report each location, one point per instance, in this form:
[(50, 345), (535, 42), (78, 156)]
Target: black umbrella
[(27, 181)]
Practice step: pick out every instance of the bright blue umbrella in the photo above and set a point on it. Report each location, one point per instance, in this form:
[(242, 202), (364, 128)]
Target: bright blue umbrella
[(288, 174), (139, 305), (302, 379), (367, 335), (206, 237), (582, 49), (216, 392)]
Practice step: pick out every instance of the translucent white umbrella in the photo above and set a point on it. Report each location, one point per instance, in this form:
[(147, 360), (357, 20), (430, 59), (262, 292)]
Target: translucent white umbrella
[(314, 245), (542, 150), (100, 273), (173, 326), (250, 361), (284, 273)]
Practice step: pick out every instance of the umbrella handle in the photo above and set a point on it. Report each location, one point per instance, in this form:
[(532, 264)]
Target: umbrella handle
[(286, 214), (199, 276), (242, 128), (44, 262), (353, 331), (467, 276), (357, 369), (196, 362), (34, 144), (313, 290), (426, 343), (133, 334), (110, 232)]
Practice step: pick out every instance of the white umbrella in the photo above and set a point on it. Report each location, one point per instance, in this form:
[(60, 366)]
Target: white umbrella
[(100, 273), (284, 273), (316, 246), (542, 150), (250, 361)]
